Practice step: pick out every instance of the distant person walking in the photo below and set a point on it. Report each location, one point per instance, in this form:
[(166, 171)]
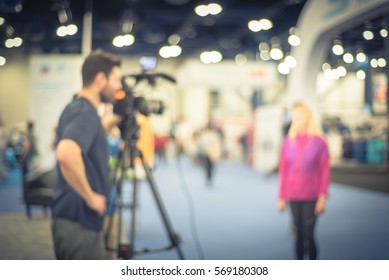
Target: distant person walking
[(209, 150)]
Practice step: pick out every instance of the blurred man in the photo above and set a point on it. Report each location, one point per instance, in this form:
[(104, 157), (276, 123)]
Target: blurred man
[(82, 154)]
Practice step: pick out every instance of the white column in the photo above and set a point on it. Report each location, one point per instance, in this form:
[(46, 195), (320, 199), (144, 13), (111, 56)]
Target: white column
[(87, 29)]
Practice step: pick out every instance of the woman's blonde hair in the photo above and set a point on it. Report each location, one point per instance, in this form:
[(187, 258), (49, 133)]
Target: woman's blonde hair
[(313, 127)]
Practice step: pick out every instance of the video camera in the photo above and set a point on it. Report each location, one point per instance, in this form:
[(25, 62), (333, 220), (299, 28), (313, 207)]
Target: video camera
[(127, 104)]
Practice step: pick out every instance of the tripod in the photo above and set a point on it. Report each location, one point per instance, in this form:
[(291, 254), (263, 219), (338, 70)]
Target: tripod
[(125, 250)]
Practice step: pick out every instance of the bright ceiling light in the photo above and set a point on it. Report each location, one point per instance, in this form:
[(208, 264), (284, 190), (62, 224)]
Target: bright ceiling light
[(383, 32), (265, 24), (374, 63), (381, 62), (170, 51), (210, 9), (283, 68), (123, 40), (368, 35), (13, 42), (341, 71), (9, 43), (61, 31), (294, 40), (72, 29), (348, 58), (2, 20), (18, 41), (361, 75), (276, 53), (361, 57), (211, 57), (258, 25), (254, 25), (67, 30), (2, 60), (201, 10), (175, 50), (337, 48), (214, 9)]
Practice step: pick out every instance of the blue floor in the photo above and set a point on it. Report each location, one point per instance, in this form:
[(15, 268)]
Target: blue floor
[(236, 217)]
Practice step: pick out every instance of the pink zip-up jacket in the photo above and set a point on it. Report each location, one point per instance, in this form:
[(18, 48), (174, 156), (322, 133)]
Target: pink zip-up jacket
[(304, 171)]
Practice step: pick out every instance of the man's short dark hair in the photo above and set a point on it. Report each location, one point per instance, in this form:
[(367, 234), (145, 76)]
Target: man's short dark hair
[(98, 61)]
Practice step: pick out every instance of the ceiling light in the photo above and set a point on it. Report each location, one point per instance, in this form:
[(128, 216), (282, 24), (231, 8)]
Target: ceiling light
[(254, 25), (174, 39), (361, 57), (2, 60), (283, 68), (368, 35), (17, 41), (13, 42), (123, 40), (294, 40), (361, 75), (175, 50), (67, 30), (211, 57), (2, 20), (214, 9), (337, 48), (210, 9), (341, 71), (265, 24), (258, 25), (381, 62), (170, 51), (201, 10), (348, 58), (240, 59), (265, 55), (374, 63), (72, 29), (276, 53), (325, 66), (383, 32), (61, 31), (264, 47)]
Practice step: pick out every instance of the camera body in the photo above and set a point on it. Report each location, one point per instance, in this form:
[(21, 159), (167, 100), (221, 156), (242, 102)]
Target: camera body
[(127, 105)]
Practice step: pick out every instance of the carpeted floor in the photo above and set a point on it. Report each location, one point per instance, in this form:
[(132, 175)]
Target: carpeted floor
[(235, 218)]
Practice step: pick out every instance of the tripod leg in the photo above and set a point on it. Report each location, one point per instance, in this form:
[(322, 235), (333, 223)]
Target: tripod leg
[(174, 238)]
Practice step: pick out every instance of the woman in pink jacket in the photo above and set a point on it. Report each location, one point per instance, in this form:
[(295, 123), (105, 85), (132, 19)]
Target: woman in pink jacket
[(304, 177)]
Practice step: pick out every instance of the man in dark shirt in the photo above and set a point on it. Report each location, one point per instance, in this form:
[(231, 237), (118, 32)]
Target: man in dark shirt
[(82, 155)]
